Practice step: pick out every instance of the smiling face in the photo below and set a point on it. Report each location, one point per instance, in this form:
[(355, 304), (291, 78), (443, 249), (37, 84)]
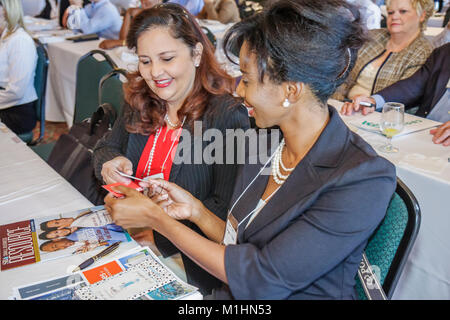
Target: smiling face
[(263, 99), (167, 64), (58, 233), (403, 18)]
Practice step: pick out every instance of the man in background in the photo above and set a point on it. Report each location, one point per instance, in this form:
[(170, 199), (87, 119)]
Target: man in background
[(100, 17)]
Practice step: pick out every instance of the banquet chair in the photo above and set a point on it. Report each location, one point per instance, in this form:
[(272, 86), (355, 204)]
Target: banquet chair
[(40, 84), (110, 89), (90, 70), (210, 35), (389, 246)]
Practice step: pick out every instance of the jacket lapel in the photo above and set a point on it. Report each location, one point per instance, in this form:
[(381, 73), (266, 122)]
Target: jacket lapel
[(308, 177)]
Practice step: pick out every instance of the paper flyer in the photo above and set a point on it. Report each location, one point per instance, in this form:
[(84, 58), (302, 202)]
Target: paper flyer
[(53, 237), (138, 275), (371, 122)]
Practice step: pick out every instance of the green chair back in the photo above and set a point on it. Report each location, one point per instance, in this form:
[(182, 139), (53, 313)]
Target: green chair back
[(210, 35), (389, 246), (110, 89), (90, 70)]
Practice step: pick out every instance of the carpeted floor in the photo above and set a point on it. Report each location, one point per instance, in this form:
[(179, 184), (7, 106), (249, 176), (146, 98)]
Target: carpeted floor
[(52, 131)]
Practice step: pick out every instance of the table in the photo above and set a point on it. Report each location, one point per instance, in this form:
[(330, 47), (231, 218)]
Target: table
[(431, 32), (436, 21), (31, 188), (427, 272), (64, 55), (61, 81)]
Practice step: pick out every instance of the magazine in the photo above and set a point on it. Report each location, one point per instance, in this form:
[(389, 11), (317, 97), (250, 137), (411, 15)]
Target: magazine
[(371, 123), (53, 237), (138, 275)]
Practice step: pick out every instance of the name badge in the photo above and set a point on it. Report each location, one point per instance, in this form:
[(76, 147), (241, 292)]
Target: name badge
[(230, 236), (155, 176)]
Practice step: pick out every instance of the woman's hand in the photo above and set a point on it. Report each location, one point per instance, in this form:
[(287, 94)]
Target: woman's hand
[(110, 168), (110, 44), (349, 107), (133, 211), (177, 202), (442, 134)]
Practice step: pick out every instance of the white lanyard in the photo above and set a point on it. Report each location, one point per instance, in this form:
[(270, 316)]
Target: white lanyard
[(231, 227), (245, 190)]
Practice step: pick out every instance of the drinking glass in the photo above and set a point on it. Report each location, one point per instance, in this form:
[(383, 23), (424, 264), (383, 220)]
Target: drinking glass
[(392, 122)]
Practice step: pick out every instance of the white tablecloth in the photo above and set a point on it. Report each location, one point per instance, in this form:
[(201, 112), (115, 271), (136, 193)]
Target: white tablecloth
[(427, 272), (61, 81), (431, 32), (436, 21), (64, 56), (31, 188)]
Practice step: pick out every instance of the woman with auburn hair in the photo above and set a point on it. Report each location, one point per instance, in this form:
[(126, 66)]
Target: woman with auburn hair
[(391, 54), (18, 58), (177, 83)]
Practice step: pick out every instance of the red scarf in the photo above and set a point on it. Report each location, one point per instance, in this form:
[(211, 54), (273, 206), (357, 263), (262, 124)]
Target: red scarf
[(164, 153)]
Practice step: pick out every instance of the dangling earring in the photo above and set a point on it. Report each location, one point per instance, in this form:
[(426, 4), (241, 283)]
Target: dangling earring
[(286, 103)]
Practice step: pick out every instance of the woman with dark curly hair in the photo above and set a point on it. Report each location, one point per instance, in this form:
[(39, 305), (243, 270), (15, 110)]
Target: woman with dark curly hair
[(178, 82), (298, 229)]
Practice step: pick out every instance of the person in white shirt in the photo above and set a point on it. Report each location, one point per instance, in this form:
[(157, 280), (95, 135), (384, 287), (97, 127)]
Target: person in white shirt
[(32, 7), (100, 17), (370, 13), (18, 59)]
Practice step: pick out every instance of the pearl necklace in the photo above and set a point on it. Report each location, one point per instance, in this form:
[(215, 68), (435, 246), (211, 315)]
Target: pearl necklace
[(166, 118), (155, 140), (152, 151), (278, 177)]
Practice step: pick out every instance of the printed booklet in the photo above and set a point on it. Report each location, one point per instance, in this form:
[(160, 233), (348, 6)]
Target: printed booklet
[(371, 123), (137, 275), (53, 237)]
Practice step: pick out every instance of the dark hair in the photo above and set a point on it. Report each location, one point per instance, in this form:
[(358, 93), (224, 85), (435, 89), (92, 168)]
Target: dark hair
[(309, 41), (44, 226), (43, 235), (147, 109)]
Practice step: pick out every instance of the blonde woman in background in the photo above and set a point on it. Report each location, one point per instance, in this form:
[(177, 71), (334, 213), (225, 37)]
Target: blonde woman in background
[(391, 54), (18, 58)]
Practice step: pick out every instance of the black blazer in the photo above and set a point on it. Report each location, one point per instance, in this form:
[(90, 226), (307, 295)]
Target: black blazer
[(425, 87), (210, 183), (307, 242)]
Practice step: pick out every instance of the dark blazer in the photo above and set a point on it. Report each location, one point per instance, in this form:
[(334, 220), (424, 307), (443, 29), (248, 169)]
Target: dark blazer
[(307, 242), (210, 183), (425, 87)]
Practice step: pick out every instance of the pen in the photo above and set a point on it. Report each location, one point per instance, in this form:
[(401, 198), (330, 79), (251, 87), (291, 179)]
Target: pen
[(128, 176), (363, 103), (90, 261)]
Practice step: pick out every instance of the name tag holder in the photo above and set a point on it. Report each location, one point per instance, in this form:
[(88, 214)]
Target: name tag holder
[(231, 228)]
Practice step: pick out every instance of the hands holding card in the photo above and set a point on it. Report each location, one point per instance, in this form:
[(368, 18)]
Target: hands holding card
[(111, 169), (136, 210)]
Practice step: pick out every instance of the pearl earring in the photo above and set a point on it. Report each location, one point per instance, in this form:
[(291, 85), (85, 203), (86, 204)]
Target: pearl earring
[(286, 103)]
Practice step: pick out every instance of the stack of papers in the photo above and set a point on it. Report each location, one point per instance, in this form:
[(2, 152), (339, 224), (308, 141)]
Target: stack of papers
[(138, 275), (412, 123)]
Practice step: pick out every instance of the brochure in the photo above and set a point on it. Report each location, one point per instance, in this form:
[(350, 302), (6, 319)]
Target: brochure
[(371, 123), (137, 275), (53, 237)]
